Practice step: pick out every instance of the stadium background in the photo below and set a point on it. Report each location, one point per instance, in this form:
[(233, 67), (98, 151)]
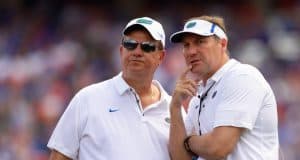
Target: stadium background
[(51, 49)]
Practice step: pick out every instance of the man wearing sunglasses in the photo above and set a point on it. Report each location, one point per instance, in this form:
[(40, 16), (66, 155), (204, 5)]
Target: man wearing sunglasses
[(126, 117), (233, 113)]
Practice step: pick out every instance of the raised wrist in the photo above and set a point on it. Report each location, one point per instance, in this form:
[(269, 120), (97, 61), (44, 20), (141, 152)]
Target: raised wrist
[(176, 99)]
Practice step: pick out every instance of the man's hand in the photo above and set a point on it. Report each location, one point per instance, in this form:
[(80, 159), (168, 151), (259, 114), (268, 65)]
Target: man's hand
[(184, 87)]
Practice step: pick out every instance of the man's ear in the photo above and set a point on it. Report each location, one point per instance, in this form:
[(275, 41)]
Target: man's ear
[(121, 50), (162, 55), (224, 43)]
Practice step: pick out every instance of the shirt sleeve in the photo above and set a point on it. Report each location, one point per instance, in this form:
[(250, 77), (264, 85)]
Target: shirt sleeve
[(66, 135), (240, 102)]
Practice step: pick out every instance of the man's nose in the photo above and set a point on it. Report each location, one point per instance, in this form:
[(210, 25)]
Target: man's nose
[(138, 50)]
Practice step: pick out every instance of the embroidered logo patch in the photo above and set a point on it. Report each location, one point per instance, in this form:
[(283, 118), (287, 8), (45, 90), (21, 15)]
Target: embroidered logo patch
[(214, 94), (191, 24), (113, 109), (145, 21)]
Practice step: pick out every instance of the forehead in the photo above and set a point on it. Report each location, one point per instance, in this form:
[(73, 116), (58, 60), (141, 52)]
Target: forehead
[(139, 33), (192, 37)]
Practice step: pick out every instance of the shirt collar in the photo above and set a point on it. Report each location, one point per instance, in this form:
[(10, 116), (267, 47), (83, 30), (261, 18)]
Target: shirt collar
[(163, 93), (120, 84), (220, 72), (217, 76)]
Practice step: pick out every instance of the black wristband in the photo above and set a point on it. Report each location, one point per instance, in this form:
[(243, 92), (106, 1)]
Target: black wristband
[(187, 145)]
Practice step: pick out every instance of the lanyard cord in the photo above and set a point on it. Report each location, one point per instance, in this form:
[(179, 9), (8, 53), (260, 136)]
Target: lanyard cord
[(201, 99)]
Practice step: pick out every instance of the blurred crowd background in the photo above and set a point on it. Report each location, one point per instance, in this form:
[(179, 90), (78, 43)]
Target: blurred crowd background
[(51, 49)]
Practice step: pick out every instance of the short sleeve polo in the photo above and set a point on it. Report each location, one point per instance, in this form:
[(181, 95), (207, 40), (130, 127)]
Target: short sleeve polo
[(103, 121), (240, 97)]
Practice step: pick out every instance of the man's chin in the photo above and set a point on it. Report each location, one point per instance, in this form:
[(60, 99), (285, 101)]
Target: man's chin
[(197, 72), (137, 71)]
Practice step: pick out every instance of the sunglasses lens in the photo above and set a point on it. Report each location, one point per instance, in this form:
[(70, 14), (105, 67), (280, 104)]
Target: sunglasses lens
[(148, 47), (130, 44)]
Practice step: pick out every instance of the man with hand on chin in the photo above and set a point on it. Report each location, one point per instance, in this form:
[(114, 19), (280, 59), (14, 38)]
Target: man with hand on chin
[(233, 113)]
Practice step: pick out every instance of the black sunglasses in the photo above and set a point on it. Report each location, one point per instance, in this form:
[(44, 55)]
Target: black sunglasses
[(131, 44)]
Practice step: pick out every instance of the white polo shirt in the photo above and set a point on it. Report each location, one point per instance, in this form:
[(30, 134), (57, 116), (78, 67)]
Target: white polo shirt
[(240, 97), (104, 122)]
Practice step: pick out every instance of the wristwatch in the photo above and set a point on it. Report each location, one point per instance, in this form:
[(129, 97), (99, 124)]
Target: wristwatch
[(187, 145)]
